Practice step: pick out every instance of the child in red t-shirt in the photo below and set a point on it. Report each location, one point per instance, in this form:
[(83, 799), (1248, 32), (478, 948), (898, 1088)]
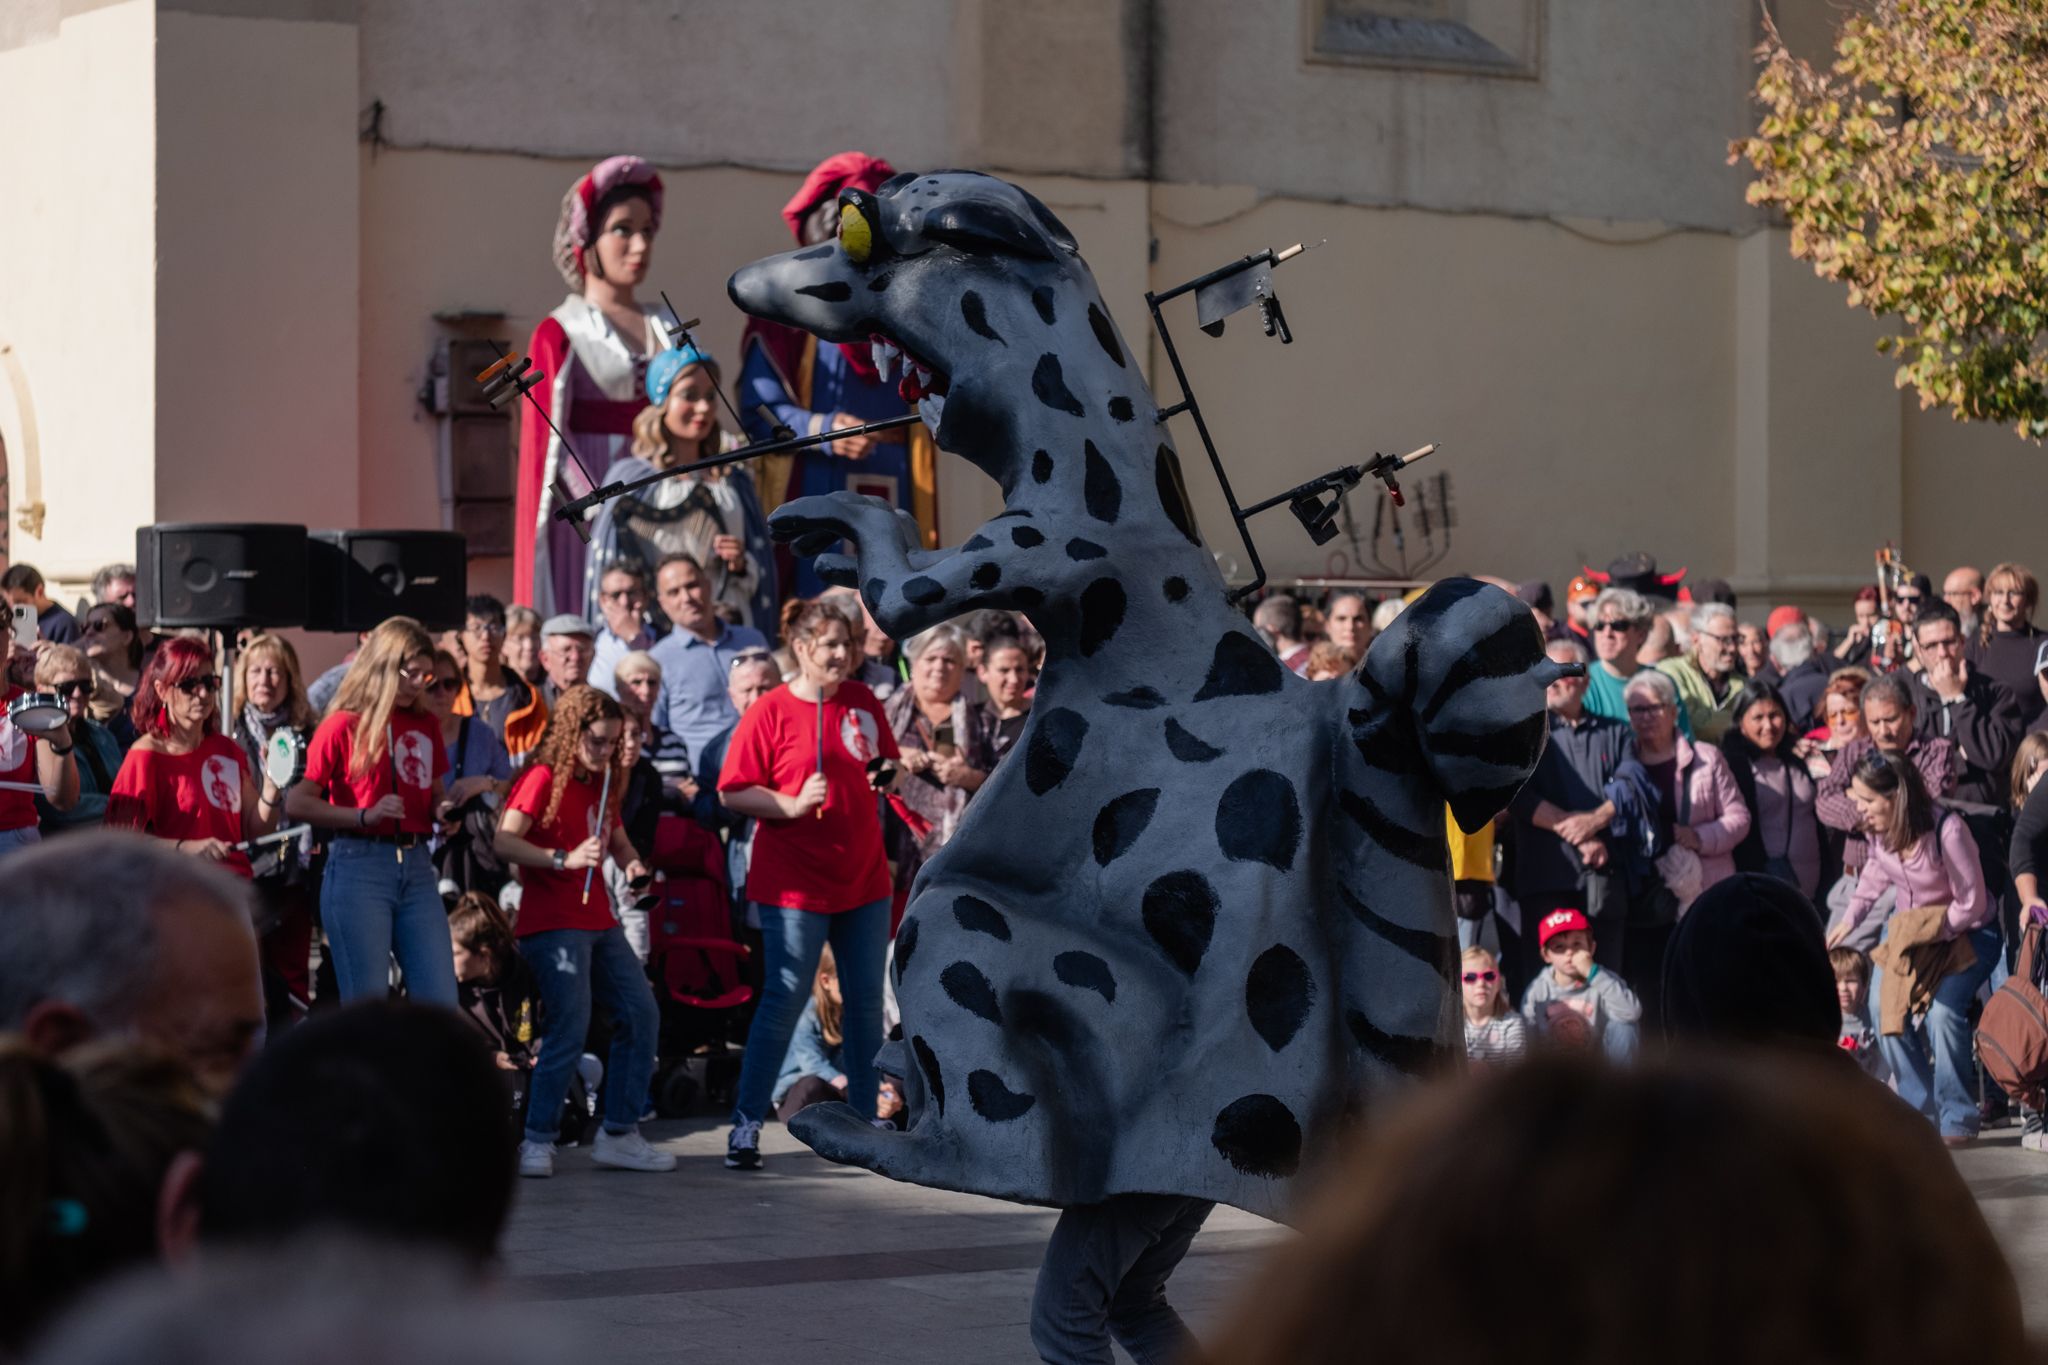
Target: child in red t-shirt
[(806, 761), (183, 780), (560, 820), (374, 771)]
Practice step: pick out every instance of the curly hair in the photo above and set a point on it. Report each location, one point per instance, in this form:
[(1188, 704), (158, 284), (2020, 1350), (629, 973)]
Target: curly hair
[(577, 710)]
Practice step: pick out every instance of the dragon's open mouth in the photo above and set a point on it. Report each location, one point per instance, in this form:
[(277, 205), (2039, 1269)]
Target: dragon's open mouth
[(922, 386)]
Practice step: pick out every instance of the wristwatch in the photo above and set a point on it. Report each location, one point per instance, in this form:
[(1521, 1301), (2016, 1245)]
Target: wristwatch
[(560, 858)]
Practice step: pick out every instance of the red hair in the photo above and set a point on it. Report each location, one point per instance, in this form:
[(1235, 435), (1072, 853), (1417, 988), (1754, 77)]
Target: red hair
[(176, 660)]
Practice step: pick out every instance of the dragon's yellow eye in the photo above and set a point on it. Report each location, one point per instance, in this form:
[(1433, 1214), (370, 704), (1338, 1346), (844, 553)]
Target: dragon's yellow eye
[(856, 237)]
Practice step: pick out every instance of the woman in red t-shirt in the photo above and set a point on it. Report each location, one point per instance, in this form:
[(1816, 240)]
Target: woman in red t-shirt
[(373, 781), (29, 761), (182, 779), (556, 832), (798, 762)]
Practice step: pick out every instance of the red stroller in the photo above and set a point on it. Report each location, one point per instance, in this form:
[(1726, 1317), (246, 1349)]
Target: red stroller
[(698, 966)]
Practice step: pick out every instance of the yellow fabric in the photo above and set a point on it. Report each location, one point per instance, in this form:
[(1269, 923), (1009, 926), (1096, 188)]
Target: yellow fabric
[(1471, 854), (924, 483)]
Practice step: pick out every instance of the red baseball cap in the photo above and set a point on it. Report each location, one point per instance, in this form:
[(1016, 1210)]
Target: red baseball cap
[(1561, 921), (1780, 618)]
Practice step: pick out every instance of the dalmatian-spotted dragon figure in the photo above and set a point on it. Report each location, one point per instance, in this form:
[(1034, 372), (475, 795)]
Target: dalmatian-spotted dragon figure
[(1203, 914)]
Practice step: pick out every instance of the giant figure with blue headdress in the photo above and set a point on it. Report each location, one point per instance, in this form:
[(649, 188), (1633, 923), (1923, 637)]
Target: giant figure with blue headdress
[(715, 517)]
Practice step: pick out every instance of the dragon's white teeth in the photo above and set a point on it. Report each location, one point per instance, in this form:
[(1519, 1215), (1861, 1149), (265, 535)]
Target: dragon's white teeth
[(932, 407), (885, 354), (924, 376)]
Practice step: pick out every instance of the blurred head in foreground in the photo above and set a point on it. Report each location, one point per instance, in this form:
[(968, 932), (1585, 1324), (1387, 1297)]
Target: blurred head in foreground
[(1699, 1209)]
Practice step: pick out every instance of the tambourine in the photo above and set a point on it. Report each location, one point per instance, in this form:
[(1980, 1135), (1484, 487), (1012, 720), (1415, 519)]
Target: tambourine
[(284, 758), (38, 713)]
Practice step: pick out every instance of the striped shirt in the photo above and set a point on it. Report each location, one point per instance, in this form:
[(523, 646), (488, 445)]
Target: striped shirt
[(1500, 1039)]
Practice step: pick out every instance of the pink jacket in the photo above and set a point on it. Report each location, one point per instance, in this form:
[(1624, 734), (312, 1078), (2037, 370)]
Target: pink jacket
[(1716, 811), (1940, 871)]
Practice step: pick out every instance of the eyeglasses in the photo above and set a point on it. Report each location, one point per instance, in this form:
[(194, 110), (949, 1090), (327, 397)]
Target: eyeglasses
[(1613, 627), (495, 628), (1645, 708), (205, 685), (1487, 977), (1718, 639), (622, 595), (77, 687)]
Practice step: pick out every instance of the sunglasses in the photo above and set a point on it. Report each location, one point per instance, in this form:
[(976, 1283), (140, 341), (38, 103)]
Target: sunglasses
[(77, 687), (98, 624), (1487, 977), (747, 656), (447, 686), (1613, 627), (1908, 599), (202, 686)]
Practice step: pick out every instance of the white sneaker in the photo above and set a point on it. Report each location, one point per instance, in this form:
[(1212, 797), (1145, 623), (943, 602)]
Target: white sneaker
[(536, 1159), (629, 1151)]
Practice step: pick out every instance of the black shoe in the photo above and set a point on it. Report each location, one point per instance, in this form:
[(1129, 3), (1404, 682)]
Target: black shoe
[(743, 1148)]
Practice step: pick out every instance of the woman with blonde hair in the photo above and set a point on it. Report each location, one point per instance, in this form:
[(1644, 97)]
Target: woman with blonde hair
[(269, 698), (559, 822), (715, 517), (2007, 641), (374, 773)]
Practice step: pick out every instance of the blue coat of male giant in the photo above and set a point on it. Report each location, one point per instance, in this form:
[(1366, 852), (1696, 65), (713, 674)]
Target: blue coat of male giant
[(1204, 914)]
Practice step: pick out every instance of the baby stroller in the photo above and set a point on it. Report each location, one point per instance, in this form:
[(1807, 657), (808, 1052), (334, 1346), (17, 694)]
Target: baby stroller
[(698, 967)]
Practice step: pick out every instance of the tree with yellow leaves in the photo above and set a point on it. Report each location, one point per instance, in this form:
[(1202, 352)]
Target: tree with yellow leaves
[(1915, 171)]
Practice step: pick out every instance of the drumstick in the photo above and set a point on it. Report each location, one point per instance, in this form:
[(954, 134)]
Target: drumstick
[(289, 832), (604, 801), (821, 744)]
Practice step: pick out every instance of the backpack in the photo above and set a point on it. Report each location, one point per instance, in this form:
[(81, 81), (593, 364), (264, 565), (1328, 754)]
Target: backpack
[(2012, 1036)]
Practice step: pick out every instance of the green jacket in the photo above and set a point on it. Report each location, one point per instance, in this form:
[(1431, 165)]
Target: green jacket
[(1710, 715)]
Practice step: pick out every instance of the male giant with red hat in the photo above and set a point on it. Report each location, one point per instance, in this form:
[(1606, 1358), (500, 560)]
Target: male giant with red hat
[(810, 388)]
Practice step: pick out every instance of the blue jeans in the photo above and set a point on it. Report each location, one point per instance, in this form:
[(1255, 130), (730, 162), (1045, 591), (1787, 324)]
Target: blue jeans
[(377, 899), (574, 967), (790, 943), (1943, 1087)]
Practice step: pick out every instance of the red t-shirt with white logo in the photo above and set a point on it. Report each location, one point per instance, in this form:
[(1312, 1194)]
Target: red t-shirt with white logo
[(829, 863), (184, 796), (549, 899), (412, 760), (17, 764)]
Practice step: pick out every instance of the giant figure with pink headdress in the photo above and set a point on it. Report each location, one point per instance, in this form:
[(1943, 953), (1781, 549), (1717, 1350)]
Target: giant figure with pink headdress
[(812, 387), (594, 349)]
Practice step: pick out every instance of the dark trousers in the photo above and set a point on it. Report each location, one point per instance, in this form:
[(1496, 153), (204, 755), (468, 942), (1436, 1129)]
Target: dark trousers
[(1105, 1276)]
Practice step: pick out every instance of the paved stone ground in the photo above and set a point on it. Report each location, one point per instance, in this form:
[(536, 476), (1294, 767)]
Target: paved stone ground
[(770, 1267)]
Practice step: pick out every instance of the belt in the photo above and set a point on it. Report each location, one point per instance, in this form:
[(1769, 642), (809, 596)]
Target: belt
[(403, 840)]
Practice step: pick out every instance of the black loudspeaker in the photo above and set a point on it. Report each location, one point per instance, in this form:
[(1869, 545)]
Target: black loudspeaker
[(356, 579), (220, 575)]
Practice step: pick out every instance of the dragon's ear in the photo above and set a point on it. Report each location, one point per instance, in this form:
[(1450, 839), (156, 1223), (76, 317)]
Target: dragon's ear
[(982, 225)]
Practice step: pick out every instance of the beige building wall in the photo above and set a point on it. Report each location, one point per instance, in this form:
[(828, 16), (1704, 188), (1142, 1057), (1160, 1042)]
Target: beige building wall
[(78, 271), (296, 201)]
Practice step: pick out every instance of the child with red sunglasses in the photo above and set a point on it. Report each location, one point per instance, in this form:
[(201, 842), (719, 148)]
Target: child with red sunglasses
[(1494, 1034)]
